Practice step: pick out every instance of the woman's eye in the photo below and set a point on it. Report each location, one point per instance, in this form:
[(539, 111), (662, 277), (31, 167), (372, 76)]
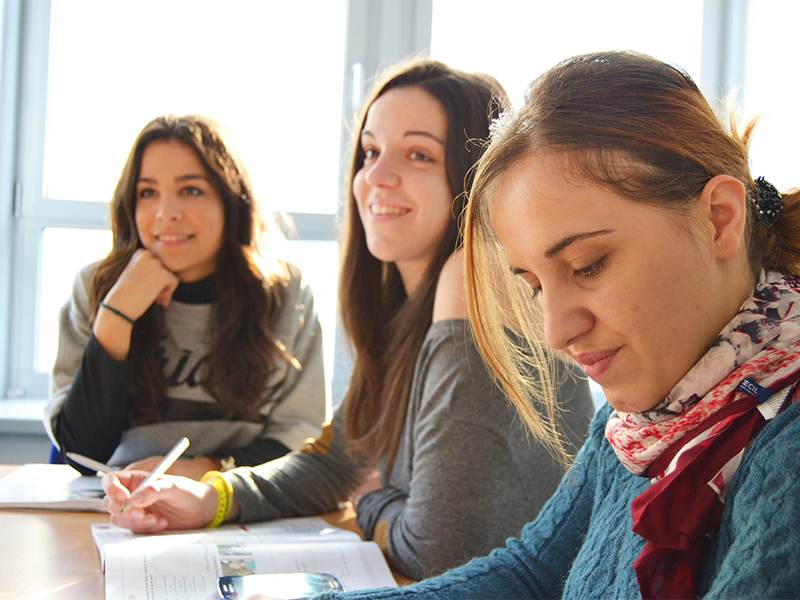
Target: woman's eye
[(192, 191), (146, 193), (370, 154), (420, 156), (592, 270)]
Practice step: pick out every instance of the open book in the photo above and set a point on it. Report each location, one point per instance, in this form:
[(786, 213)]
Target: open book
[(186, 565), (51, 487)]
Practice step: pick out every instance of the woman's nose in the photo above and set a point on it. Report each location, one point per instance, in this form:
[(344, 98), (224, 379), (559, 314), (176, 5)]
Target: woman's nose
[(383, 172), (169, 208), (565, 317)]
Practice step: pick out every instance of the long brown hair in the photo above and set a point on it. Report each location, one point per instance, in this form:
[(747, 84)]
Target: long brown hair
[(385, 328), (243, 351), (635, 125)]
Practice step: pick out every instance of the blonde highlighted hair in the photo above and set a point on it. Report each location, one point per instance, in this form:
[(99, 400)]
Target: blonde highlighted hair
[(635, 125)]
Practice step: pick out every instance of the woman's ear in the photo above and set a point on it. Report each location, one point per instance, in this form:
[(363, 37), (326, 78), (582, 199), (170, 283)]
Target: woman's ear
[(724, 202)]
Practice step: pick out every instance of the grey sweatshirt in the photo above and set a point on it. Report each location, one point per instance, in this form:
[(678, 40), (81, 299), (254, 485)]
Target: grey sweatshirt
[(88, 407)]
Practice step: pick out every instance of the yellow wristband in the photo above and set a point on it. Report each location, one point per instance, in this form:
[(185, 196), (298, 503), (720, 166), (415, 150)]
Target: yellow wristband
[(224, 493)]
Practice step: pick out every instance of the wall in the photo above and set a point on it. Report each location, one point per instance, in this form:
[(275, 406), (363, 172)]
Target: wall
[(22, 436)]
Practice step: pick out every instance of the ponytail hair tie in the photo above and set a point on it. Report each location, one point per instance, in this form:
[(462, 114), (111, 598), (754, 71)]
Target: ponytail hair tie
[(769, 203)]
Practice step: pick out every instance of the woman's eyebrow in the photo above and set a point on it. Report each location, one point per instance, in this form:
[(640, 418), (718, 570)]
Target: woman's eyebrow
[(181, 178), (427, 134), (571, 239)]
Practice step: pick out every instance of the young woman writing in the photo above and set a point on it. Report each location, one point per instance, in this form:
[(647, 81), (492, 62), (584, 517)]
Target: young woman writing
[(457, 472), (186, 328)]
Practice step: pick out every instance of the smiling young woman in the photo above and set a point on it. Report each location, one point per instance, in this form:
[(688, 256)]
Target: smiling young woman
[(180, 216), (186, 328), (403, 197)]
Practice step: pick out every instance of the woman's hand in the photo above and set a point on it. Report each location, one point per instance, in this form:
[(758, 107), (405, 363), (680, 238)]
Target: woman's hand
[(193, 468), (144, 281), (167, 503)]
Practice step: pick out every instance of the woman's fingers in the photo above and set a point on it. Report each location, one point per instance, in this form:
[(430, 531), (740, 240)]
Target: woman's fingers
[(165, 297), (121, 486), (117, 485), (139, 521), (169, 502), (144, 280)]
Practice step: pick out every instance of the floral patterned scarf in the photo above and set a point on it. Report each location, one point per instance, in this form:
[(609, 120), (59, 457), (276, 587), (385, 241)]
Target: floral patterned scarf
[(700, 432)]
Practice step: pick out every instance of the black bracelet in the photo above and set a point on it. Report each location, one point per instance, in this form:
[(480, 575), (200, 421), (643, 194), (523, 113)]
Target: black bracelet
[(118, 313)]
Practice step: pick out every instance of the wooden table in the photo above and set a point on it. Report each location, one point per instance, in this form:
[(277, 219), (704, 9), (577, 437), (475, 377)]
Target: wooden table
[(50, 555)]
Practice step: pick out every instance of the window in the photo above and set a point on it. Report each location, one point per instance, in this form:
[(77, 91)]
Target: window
[(770, 88), (94, 72), (81, 77), (725, 45), (534, 36)]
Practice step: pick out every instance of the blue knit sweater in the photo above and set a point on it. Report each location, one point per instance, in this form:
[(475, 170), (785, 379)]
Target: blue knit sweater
[(581, 546)]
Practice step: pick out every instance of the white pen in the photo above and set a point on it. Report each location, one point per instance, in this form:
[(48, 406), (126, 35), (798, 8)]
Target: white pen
[(90, 463), (161, 467)]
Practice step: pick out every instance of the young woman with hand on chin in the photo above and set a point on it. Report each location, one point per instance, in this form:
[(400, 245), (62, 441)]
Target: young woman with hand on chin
[(457, 473), (187, 328), (625, 212)]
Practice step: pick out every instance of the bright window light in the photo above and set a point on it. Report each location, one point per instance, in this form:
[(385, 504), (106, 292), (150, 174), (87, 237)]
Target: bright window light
[(518, 41), (114, 66)]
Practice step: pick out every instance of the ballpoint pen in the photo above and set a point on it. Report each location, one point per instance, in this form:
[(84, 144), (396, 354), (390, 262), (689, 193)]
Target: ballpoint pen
[(160, 469), (90, 463)]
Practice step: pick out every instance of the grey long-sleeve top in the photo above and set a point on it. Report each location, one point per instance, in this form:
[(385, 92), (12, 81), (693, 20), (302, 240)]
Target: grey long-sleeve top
[(88, 409), (466, 476)]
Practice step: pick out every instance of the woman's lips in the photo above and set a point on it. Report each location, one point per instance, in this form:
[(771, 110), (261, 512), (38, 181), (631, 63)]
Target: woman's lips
[(381, 210), (595, 364), (172, 240)]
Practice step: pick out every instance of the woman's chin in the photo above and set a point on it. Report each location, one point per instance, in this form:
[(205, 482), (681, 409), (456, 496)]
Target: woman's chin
[(628, 401)]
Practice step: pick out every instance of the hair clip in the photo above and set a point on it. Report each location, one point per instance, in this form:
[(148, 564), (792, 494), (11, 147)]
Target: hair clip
[(769, 203)]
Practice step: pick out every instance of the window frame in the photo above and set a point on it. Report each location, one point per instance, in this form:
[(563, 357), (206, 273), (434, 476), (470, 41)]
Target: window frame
[(379, 32), (26, 56)]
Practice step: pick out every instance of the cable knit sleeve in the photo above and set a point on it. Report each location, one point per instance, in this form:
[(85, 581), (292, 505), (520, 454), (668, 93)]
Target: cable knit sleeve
[(534, 565)]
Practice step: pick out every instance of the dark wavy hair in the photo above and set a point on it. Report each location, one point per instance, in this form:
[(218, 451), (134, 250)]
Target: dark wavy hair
[(385, 328), (244, 352)]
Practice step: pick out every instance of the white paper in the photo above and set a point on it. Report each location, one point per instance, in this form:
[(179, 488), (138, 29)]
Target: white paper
[(297, 530), (55, 487), (151, 570)]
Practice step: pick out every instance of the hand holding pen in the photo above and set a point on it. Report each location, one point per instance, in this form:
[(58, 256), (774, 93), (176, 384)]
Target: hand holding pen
[(160, 469), (157, 502)]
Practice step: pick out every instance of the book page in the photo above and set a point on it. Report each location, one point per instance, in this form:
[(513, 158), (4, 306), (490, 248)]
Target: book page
[(296, 530), (150, 571), (56, 487)]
